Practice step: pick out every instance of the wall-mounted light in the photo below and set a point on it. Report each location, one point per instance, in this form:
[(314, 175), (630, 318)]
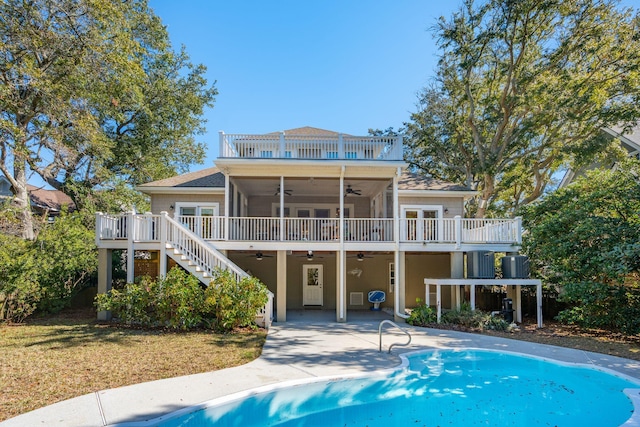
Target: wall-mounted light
[(171, 207), (360, 256), (309, 255), (446, 210), (259, 256)]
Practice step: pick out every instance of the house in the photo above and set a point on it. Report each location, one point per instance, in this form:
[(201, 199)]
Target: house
[(629, 141), (322, 218), (43, 201)]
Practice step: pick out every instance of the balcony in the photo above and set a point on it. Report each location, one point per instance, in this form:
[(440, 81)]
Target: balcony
[(455, 231), (282, 146)]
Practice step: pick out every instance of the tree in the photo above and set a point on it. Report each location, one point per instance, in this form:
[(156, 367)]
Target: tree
[(585, 239), (523, 89), (92, 94)]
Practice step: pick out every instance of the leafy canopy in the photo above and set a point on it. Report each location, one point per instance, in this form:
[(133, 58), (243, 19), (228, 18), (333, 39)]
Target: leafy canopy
[(522, 89)]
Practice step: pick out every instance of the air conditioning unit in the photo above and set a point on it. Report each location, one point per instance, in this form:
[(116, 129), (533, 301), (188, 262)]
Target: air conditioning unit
[(515, 267), (481, 265)]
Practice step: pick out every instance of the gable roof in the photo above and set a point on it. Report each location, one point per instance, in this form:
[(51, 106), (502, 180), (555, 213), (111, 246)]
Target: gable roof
[(210, 177), (51, 200), (307, 131)]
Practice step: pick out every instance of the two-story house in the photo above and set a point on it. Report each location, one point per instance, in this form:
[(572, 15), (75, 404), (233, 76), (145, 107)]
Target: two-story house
[(321, 218)]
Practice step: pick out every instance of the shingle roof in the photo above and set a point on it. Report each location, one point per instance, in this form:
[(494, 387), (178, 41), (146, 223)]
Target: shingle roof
[(52, 200), (413, 181), (210, 177)]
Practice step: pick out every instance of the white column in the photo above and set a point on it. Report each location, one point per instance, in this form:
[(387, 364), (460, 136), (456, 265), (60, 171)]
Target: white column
[(341, 286), (282, 231), (281, 292), (130, 250), (227, 232), (105, 272), (518, 305), (539, 304), (473, 297), (163, 244)]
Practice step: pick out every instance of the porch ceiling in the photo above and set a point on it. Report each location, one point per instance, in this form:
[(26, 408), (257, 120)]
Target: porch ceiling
[(262, 186)]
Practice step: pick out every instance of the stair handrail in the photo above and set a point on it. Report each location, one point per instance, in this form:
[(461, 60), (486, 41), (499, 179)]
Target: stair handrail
[(199, 250), (396, 325)]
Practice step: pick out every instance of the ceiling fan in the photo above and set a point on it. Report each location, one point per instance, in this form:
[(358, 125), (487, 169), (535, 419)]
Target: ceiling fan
[(286, 192), (260, 255), (360, 256), (309, 256), (350, 190)]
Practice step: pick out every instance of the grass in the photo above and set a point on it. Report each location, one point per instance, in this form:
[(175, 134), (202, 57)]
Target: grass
[(44, 361)]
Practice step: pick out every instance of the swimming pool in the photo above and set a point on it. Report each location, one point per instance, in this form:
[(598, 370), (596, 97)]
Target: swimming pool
[(435, 388)]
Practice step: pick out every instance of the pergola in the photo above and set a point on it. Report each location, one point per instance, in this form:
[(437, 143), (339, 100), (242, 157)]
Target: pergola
[(483, 282)]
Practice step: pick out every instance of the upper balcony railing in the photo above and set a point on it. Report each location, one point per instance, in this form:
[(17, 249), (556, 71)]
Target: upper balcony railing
[(456, 230), (339, 147)]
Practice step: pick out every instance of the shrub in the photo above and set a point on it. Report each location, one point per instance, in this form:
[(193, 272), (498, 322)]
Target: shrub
[(422, 315), (19, 288), (180, 302), (230, 303), (474, 319)]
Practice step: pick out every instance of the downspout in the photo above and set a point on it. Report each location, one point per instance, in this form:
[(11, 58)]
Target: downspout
[(396, 233)]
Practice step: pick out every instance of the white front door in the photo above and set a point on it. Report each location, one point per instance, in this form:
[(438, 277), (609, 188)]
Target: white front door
[(199, 218), (312, 284)]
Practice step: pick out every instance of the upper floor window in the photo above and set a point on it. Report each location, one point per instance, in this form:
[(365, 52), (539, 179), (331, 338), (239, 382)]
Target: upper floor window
[(266, 154), (287, 154), (350, 155)]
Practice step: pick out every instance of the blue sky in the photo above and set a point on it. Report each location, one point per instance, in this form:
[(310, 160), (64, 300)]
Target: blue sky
[(342, 65)]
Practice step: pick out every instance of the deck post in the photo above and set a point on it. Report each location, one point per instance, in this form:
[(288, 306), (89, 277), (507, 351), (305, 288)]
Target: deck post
[(458, 230), (105, 277), (163, 244), (131, 231), (281, 286), (282, 146), (539, 304)]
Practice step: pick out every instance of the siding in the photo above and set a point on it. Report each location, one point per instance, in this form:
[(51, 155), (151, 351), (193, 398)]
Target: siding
[(163, 202)]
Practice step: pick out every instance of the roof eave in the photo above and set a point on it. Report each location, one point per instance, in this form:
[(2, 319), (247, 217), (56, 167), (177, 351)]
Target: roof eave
[(180, 190)]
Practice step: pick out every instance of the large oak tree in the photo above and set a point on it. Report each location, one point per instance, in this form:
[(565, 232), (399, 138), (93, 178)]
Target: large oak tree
[(92, 95), (523, 88)]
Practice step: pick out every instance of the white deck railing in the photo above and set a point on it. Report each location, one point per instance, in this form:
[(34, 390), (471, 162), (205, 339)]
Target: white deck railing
[(338, 147), (268, 229)]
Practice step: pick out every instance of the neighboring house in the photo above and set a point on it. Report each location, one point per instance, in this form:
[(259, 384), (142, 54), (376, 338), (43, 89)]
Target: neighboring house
[(43, 202), (630, 142), (320, 217)]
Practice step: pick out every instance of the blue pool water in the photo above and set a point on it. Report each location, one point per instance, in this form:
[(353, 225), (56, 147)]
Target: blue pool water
[(437, 388)]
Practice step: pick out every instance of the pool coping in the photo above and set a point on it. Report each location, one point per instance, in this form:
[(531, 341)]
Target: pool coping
[(293, 351)]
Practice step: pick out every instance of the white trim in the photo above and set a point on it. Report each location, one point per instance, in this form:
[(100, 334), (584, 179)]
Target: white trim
[(198, 206), (181, 190), (440, 193)]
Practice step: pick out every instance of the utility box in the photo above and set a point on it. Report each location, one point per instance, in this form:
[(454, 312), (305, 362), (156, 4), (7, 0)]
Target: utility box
[(481, 265), (515, 267)]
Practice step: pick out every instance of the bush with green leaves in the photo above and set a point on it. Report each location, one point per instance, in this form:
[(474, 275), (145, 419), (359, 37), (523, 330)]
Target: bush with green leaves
[(46, 273), (584, 239), (422, 315), (20, 291), (232, 304), (179, 301), (474, 319)]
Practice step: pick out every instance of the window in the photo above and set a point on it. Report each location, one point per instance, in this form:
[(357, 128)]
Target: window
[(350, 155), (332, 154), (267, 154), (287, 154)]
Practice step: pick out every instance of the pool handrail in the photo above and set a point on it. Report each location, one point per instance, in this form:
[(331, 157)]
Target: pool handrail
[(396, 325)]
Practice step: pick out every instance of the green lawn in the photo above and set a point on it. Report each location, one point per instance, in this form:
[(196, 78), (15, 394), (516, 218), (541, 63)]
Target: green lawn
[(48, 360)]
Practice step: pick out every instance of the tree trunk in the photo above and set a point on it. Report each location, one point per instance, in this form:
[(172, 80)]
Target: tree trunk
[(21, 199), (488, 189)]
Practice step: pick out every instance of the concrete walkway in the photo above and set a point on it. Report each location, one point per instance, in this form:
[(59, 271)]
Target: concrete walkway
[(302, 348)]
